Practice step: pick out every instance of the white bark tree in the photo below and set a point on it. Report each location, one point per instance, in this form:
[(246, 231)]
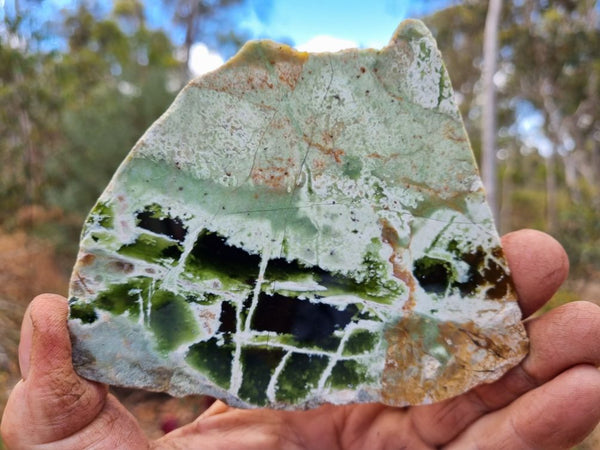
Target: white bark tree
[(488, 128)]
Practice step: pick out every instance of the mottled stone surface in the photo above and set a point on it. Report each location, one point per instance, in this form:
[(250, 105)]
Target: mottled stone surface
[(298, 229)]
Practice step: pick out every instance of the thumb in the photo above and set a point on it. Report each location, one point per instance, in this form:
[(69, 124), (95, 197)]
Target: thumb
[(57, 402)]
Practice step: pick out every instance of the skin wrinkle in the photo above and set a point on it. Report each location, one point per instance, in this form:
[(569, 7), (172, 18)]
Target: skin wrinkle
[(66, 393), (527, 383), (517, 432), (112, 419), (93, 439), (339, 428), (375, 416), (357, 439)]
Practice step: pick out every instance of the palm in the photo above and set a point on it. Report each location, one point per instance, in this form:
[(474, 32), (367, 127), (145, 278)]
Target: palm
[(549, 401)]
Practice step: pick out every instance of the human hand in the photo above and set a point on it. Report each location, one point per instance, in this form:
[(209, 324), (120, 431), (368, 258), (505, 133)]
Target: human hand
[(549, 401)]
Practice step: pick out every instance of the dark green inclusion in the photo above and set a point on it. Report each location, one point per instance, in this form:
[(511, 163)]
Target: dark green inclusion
[(436, 275), (300, 374), (118, 298), (153, 219), (348, 374), (171, 320), (152, 249), (258, 364), (212, 257), (103, 214), (327, 343), (227, 319), (433, 274), (309, 323), (213, 360), (360, 341), (372, 288), (482, 269), (82, 311)]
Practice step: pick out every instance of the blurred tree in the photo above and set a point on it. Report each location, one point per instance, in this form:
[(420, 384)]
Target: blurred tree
[(548, 112), (27, 113), (116, 84), (488, 133), (556, 61), (206, 21), (78, 86)]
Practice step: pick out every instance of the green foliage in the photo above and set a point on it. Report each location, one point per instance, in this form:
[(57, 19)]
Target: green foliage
[(72, 116), (579, 233), (549, 61)]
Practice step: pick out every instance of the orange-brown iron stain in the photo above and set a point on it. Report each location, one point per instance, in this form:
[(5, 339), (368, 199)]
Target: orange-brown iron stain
[(318, 166), (389, 235), (121, 266), (403, 380), (78, 284), (208, 317), (289, 69), (236, 83), (257, 75), (336, 153), (87, 259), (451, 133), (383, 158), (277, 176)]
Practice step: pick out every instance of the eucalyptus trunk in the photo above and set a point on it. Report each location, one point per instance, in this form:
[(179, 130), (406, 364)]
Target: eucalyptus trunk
[(488, 138)]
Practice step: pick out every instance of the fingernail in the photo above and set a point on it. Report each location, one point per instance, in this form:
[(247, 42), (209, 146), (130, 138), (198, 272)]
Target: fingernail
[(25, 344)]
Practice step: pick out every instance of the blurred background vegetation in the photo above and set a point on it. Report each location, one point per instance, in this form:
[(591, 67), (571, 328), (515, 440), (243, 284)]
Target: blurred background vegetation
[(80, 84)]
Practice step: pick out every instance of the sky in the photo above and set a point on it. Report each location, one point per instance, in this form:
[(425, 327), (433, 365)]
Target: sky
[(308, 25), (320, 25)]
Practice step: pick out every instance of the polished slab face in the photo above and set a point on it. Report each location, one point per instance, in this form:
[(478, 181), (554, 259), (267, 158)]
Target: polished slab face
[(299, 229)]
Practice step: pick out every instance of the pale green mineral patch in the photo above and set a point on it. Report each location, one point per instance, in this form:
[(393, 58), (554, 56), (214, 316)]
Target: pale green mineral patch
[(299, 229)]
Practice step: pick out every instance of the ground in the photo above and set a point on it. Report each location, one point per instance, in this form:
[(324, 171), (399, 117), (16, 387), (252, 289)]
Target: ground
[(28, 267)]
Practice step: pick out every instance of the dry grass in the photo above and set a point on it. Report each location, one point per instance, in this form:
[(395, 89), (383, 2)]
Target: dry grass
[(26, 269)]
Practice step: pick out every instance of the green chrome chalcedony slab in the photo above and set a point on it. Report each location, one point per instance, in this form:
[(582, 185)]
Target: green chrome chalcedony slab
[(299, 229)]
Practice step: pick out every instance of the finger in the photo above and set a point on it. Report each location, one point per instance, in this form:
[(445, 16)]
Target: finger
[(557, 415), (538, 265), (52, 401), (560, 339), (25, 343)]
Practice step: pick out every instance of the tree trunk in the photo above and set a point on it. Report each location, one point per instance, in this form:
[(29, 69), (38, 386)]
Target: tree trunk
[(551, 209), (488, 129), (506, 207)]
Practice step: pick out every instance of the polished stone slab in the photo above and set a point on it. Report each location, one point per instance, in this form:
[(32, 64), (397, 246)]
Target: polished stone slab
[(299, 229)]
